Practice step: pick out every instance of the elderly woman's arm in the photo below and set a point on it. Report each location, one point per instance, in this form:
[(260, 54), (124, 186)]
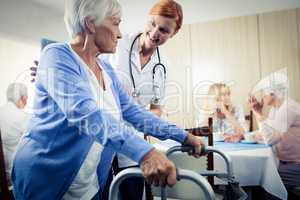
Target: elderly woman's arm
[(61, 77), (146, 121)]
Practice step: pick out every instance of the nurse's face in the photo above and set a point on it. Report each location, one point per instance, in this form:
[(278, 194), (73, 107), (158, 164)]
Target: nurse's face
[(158, 30), (107, 34)]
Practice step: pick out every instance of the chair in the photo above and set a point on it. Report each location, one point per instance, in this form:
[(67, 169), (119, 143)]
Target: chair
[(206, 131), (250, 119), (5, 194)]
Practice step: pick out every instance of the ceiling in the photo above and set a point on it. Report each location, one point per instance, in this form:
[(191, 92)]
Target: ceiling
[(194, 10)]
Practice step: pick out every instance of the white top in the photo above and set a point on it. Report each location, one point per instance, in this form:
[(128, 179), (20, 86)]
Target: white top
[(142, 77), (282, 129), (223, 125), (85, 185), (13, 123)]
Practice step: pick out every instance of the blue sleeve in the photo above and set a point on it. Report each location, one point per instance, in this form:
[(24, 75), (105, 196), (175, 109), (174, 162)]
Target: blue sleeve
[(145, 121), (66, 83)]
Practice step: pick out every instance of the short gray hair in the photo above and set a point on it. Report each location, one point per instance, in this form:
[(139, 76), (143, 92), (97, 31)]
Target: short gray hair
[(76, 11), (15, 91)]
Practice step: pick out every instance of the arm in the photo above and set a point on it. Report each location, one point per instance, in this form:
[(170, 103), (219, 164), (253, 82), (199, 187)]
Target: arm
[(147, 122), (66, 84)]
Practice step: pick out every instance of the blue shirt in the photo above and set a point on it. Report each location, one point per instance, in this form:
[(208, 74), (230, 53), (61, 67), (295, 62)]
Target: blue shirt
[(67, 121)]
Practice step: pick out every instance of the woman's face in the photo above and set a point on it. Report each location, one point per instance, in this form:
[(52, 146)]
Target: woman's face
[(158, 30), (268, 99), (225, 98), (107, 34)]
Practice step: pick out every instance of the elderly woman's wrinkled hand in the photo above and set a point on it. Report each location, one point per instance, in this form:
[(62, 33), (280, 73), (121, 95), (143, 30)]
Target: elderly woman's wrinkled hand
[(158, 170), (197, 143), (255, 105)]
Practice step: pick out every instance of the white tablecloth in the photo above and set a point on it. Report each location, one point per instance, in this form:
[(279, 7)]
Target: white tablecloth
[(253, 165)]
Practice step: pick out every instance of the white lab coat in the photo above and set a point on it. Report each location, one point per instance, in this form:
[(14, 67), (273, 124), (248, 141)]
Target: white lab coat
[(143, 77)]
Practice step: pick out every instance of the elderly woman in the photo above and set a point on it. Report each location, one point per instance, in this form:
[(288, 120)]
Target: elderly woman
[(281, 127), (228, 119), (80, 109)]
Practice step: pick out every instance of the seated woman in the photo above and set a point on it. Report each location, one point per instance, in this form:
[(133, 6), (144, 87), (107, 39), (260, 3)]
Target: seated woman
[(80, 109), (281, 126), (228, 119)]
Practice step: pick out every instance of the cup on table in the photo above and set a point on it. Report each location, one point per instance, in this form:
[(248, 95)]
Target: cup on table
[(249, 137), (218, 136)]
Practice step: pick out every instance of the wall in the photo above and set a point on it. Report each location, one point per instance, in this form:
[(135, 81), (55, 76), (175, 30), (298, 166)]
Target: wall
[(23, 24), (28, 21), (16, 58), (238, 51)]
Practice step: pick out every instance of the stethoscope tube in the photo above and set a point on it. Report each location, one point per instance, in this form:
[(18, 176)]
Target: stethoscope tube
[(159, 64)]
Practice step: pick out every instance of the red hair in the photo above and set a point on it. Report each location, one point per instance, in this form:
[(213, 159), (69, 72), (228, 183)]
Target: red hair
[(168, 8)]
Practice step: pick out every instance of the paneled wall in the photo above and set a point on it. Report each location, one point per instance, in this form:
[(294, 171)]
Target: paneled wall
[(226, 51), (177, 51), (238, 51), (279, 46)]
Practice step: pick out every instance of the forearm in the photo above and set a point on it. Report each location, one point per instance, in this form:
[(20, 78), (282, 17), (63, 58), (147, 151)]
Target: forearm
[(259, 116), (269, 135), (147, 122), (238, 128)]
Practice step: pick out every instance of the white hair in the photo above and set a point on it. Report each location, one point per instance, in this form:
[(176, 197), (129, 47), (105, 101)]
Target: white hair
[(15, 91), (276, 83), (76, 11)]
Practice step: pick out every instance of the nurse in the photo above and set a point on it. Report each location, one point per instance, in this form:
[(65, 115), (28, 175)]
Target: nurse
[(80, 113), (142, 71)]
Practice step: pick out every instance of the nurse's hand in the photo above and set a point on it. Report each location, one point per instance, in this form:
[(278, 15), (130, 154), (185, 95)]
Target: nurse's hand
[(158, 170), (33, 70), (195, 142)]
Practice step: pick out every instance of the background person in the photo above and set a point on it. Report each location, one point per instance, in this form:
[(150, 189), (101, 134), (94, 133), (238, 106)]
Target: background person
[(281, 126), (13, 122), (228, 119)]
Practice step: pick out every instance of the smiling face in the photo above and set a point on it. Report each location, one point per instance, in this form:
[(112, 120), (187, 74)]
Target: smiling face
[(158, 30), (107, 34)]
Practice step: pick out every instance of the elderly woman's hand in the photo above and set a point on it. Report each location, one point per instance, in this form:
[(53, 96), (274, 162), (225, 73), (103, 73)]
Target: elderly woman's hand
[(158, 170), (195, 142), (254, 105)]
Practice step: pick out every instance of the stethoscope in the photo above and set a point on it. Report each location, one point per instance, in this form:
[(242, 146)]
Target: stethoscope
[(155, 87)]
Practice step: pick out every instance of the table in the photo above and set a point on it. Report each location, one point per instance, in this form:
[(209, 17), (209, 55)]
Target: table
[(253, 165)]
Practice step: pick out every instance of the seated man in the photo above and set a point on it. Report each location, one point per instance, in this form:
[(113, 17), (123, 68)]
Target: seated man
[(281, 127), (13, 121)]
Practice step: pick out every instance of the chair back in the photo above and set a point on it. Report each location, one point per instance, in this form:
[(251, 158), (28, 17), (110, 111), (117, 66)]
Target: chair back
[(3, 179), (206, 131), (250, 119)]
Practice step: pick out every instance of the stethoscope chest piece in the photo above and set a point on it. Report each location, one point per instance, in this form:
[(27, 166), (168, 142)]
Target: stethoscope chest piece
[(135, 93)]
